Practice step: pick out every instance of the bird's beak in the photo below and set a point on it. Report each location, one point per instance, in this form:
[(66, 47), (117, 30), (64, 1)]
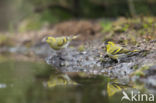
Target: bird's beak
[(44, 39)]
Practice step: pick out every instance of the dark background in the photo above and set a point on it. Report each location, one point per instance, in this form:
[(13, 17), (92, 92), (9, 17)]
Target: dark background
[(36, 13)]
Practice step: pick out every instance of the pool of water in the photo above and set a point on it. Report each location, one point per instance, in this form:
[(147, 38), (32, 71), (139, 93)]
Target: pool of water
[(27, 82)]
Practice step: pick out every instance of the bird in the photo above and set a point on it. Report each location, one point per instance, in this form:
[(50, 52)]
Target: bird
[(117, 52), (58, 43), (60, 80)]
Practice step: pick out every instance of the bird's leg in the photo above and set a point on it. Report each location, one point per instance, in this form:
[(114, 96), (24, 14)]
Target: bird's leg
[(118, 60), (59, 53)]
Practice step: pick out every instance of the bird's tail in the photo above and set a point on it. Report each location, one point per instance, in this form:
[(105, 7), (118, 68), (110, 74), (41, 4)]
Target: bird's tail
[(76, 36)]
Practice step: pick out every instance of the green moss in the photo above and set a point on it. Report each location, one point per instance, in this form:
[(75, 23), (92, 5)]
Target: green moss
[(5, 40), (106, 25), (125, 27), (140, 72), (135, 67), (81, 48)]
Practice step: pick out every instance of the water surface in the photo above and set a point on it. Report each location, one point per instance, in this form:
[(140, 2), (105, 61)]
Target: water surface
[(26, 82)]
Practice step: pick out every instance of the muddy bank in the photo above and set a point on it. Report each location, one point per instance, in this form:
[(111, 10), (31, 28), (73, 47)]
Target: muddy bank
[(134, 68)]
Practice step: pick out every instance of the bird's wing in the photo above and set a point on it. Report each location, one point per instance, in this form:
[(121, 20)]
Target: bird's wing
[(61, 41), (123, 50), (119, 50), (114, 49), (76, 36)]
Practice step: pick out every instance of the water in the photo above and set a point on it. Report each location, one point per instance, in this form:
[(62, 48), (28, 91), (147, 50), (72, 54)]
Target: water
[(27, 82)]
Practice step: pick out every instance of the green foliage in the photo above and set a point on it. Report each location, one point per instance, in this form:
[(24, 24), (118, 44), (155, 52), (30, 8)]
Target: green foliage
[(31, 23), (54, 16), (142, 8), (53, 11), (47, 16), (87, 8)]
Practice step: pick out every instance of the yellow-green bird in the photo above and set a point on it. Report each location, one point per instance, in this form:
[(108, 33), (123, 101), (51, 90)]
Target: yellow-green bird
[(58, 43), (116, 51)]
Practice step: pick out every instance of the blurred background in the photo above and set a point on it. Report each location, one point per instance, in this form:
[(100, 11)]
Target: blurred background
[(25, 15)]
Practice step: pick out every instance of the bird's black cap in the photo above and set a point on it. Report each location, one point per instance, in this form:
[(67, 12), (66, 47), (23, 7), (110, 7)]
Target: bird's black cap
[(108, 40)]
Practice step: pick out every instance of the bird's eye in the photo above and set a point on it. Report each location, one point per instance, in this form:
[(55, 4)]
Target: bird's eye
[(106, 42)]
